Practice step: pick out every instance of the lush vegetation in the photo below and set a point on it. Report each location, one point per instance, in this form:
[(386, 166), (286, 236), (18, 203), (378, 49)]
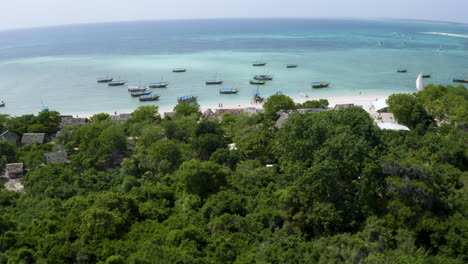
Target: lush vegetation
[(337, 189)]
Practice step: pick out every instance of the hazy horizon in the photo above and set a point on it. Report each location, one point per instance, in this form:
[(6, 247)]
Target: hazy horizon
[(31, 14)]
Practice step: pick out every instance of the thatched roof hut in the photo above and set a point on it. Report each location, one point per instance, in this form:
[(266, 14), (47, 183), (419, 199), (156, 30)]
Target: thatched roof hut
[(56, 157), (30, 138), (121, 117), (10, 136), (14, 170), (208, 113), (68, 120)]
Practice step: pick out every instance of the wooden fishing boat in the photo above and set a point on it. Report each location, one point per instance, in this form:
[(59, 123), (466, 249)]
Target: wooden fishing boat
[(257, 63), (263, 77), (149, 97), (257, 98), (460, 79), (402, 70), (136, 88), (158, 85), (186, 98), (228, 91), (320, 84), (104, 79), (116, 83), (257, 82), (211, 82), (179, 70), (426, 75), (2, 104), (291, 66), (138, 94)]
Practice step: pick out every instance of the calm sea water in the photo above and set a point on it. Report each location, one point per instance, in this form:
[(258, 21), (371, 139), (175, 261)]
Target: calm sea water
[(58, 66)]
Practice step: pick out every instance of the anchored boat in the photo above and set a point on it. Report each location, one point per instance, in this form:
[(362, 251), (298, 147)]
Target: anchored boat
[(211, 82), (116, 83), (257, 98), (104, 79), (179, 70), (149, 97), (138, 94), (186, 98), (158, 85), (426, 75), (263, 77), (320, 84), (228, 91), (460, 79), (257, 82), (291, 66), (136, 88), (402, 70), (257, 63)]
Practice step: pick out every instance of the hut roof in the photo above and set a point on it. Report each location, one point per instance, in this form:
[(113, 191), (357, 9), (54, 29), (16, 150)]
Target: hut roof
[(208, 113), (9, 136), (393, 126), (14, 168), (30, 138), (70, 120), (56, 157), (121, 117), (343, 106), (380, 105)]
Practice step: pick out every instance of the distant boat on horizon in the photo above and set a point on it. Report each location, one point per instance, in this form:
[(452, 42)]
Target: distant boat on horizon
[(257, 63), (179, 70), (402, 70), (291, 66)]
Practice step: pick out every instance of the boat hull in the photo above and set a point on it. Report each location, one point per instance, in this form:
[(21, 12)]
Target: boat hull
[(291, 66), (257, 82), (263, 78), (152, 98), (259, 64), (214, 82), (321, 85), (179, 70), (460, 80), (139, 94), (116, 84), (158, 85), (104, 80)]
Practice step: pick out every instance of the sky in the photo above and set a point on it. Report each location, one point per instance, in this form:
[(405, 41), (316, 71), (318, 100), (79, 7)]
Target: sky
[(38, 13)]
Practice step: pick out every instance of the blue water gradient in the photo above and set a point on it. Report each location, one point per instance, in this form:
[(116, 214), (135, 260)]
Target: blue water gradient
[(58, 66)]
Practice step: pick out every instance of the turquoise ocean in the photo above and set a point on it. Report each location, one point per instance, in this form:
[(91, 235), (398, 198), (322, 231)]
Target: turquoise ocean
[(58, 66)]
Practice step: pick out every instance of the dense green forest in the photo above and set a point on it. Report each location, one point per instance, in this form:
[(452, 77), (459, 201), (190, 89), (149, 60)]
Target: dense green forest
[(326, 187)]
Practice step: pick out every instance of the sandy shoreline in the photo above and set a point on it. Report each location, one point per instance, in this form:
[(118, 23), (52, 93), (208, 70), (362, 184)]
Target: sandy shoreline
[(362, 100)]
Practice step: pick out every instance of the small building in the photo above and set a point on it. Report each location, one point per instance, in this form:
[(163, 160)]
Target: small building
[(343, 106), (10, 136), (208, 113), (68, 120), (393, 126), (380, 105), (284, 114), (56, 157), (14, 170), (121, 117), (31, 138)]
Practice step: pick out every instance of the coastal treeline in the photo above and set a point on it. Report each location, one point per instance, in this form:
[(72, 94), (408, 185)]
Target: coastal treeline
[(325, 187)]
